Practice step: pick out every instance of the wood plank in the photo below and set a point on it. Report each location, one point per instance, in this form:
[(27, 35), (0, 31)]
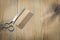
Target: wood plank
[(8, 11), (32, 29)]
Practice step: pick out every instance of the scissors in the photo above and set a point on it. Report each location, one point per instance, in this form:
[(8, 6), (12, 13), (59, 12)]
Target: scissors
[(10, 25)]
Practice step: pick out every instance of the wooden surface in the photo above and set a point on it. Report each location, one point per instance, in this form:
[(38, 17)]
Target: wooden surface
[(39, 25)]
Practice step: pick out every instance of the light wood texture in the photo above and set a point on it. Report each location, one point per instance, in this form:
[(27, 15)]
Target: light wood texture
[(38, 27)]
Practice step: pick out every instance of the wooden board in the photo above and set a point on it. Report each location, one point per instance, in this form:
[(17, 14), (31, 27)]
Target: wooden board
[(36, 26)]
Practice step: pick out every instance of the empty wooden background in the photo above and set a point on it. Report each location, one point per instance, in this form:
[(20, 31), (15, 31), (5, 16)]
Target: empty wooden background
[(39, 26)]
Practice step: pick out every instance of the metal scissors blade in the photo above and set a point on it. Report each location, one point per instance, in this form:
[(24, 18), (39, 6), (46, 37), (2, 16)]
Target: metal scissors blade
[(18, 14)]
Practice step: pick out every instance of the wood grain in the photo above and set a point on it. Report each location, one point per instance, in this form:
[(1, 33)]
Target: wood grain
[(39, 27)]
